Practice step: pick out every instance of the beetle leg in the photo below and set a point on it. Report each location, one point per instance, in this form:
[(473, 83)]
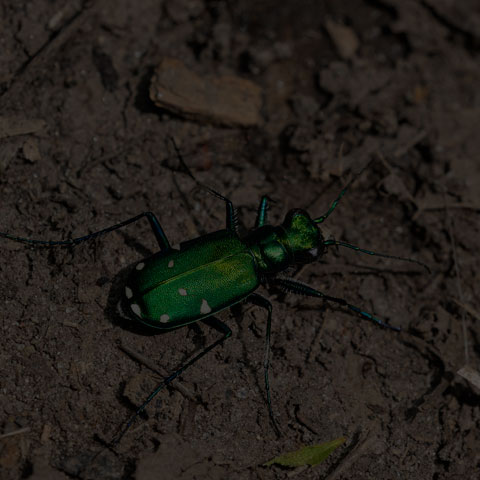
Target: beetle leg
[(154, 223), (211, 321), (294, 286), (231, 214), (260, 301), (261, 219)]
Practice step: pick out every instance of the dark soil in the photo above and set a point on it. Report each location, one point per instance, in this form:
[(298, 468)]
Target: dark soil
[(83, 147)]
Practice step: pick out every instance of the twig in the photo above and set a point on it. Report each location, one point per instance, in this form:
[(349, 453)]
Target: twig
[(54, 44), (438, 206), (20, 431), (352, 457), (297, 471), (392, 172), (450, 229), (468, 309), (402, 150)]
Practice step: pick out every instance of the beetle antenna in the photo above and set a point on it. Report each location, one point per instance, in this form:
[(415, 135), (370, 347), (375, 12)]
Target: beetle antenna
[(323, 217), (232, 218), (190, 174), (369, 252)]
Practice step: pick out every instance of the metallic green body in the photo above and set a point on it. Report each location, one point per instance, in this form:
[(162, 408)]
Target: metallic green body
[(206, 275), (215, 271)]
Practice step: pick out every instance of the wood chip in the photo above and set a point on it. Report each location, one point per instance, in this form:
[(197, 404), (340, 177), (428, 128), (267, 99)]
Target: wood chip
[(344, 38), (12, 126), (226, 100), (31, 151), (46, 432), (471, 375)]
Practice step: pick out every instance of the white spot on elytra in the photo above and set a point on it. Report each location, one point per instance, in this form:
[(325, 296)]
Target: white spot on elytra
[(164, 318), (205, 308), (128, 292), (170, 264), (140, 266), (182, 291), (136, 309)]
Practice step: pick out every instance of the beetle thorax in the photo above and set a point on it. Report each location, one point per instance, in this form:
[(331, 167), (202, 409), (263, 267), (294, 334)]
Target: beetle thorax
[(267, 245)]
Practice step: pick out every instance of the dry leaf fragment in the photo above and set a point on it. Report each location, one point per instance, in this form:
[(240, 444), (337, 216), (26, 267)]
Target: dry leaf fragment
[(310, 455)]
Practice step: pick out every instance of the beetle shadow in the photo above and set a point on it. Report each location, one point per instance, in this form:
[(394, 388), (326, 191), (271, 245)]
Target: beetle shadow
[(117, 310)]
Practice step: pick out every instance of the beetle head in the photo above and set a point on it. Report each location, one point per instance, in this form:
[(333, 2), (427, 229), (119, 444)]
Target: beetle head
[(304, 238)]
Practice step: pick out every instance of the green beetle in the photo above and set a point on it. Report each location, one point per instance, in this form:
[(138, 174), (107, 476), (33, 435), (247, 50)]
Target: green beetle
[(217, 270), (175, 287)]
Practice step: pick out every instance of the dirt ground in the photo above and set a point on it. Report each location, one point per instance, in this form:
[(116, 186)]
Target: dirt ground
[(340, 84)]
